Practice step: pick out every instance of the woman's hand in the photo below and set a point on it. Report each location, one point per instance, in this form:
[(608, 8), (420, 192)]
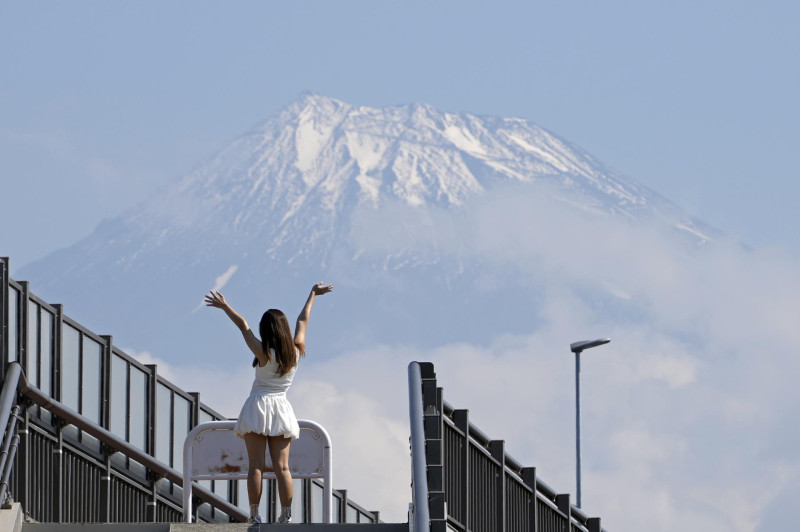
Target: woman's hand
[(302, 320), (215, 299), (320, 289)]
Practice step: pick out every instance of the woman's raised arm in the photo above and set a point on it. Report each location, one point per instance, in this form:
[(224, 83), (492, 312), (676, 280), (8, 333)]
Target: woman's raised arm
[(302, 320), (217, 300)]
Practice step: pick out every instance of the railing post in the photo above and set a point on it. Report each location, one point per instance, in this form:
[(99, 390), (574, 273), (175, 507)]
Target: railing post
[(497, 448), (152, 384), (151, 513), (57, 342), (23, 451), (273, 501), (529, 478), (343, 507), (437, 505), (105, 379), (306, 487), (22, 327), (3, 316), (105, 484), (58, 423), (58, 471), (193, 422), (593, 524), (23, 465), (461, 421), (564, 506)]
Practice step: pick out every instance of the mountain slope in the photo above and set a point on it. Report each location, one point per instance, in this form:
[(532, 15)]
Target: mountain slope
[(278, 208)]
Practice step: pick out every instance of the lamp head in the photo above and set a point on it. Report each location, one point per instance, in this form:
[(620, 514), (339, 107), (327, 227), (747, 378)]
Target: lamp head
[(577, 347)]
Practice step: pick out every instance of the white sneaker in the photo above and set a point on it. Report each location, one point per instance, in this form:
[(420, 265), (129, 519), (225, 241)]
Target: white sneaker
[(284, 520), (254, 519)]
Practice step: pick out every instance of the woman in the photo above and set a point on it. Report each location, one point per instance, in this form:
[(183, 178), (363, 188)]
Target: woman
[(267, 419)]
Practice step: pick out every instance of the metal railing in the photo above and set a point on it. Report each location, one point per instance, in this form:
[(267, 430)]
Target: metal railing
[(63, 472), (15, 381), (473, 484)]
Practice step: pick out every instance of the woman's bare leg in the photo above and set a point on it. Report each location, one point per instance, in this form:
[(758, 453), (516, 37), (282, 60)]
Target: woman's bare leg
[(279, 453), (256, 449)]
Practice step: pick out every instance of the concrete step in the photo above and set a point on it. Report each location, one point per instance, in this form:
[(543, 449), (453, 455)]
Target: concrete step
[(208, 527), (11, 518)]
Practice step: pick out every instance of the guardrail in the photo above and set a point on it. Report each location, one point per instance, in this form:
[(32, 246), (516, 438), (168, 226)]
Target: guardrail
[(15, 380), (474, 485)]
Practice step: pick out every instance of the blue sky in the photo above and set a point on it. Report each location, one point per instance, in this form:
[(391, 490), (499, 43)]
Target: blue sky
[(103, 101)]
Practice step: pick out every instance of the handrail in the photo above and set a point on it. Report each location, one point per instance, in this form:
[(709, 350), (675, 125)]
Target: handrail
[(9, 392), (10, 429), (112, 440), (420, 510), (10, 438), (512, 464), (11, 449)]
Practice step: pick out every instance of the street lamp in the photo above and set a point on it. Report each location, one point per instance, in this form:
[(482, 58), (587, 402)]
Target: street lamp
[(578, 348)]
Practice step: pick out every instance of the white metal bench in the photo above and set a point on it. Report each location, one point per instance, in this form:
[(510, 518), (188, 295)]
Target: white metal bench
[(212, 451)]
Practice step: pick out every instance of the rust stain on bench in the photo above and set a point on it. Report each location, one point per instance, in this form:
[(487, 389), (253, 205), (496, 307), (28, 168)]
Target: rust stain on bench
[(226, 468)]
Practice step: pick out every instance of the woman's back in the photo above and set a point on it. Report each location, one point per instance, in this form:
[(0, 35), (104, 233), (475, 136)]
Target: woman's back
[(268, 378)]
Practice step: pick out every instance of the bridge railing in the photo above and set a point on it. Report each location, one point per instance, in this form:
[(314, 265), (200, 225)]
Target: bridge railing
[(89, 375), (473, 484), (106, 488)]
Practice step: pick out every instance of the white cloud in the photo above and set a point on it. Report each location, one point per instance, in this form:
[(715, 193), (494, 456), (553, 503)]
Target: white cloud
[(220, 282), (644, 447)]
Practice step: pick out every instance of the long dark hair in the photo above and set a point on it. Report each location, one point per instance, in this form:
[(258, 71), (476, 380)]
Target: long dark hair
[(277, 336)]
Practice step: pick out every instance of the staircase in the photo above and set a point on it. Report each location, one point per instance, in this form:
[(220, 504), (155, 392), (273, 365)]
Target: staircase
[(12, 520)]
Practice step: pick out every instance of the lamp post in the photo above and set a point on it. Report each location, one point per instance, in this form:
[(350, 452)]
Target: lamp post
[(578, 348)]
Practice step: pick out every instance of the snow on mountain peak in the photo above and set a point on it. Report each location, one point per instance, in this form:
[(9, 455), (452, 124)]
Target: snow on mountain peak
[(293, 182)]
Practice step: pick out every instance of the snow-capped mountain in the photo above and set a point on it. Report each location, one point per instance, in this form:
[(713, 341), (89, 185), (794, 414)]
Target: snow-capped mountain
[(276, 210)]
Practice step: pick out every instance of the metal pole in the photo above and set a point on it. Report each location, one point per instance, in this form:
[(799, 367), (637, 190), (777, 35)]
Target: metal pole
[(578, 422), (577, 348)]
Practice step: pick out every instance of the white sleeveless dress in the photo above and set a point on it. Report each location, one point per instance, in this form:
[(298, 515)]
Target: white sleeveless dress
[(267, 410)]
